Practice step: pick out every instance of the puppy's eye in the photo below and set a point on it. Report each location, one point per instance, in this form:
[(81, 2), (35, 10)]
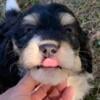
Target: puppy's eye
[(69, 29), (28, 28)]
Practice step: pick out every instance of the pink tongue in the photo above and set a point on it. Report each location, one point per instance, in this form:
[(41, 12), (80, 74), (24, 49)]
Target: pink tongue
[(50, 62)]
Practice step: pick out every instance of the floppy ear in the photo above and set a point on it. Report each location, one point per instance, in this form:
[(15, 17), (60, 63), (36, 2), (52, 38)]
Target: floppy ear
[(85, 51), (8, 69), (11, 16), (12, 8)]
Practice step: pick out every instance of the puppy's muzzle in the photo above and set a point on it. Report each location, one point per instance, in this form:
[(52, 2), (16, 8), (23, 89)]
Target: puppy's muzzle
[(48, 49)]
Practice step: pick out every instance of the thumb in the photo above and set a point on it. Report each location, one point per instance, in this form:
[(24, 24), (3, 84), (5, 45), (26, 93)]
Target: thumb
[(27, 84)]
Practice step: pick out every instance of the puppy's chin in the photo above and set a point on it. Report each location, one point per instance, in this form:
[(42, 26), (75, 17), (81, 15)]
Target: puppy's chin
[(49, 76)]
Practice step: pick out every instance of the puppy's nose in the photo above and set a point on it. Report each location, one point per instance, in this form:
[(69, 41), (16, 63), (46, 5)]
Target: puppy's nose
[(48, 49)]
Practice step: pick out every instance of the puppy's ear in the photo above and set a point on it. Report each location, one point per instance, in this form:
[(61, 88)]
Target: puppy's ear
[(8, 67), (12, 8), (85, 51), (6, 46), (12, 15)]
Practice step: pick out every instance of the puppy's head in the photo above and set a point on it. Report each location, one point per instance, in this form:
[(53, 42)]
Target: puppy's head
[(49, 42)]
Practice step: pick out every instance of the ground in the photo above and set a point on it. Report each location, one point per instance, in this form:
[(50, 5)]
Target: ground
[(88, 13)]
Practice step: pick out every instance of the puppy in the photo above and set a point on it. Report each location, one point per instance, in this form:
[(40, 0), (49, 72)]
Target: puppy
[(48, 41)]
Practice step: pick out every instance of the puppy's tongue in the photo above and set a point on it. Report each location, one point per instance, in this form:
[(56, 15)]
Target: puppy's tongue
[(50, 62)]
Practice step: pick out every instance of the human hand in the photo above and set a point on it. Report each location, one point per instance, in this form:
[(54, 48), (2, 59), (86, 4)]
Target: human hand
[(27, 89), (60, 92)]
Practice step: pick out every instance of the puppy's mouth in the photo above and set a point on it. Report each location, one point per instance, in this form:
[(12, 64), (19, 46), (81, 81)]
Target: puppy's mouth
[(49, 63)]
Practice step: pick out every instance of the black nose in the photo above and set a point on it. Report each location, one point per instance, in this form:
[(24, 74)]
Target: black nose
[(48, 49)]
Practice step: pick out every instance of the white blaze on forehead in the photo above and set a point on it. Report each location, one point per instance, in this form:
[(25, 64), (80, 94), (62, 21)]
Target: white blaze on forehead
[(12, 5), (66, 18), (31, 19)]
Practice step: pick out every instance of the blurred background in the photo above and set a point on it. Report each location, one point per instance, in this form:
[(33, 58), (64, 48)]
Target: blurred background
[(88, 14)]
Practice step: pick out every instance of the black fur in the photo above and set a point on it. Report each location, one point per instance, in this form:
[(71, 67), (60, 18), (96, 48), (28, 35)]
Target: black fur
[(12, 28)]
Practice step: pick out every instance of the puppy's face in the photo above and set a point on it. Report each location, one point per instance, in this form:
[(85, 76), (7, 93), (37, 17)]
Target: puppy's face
[(46, 40)]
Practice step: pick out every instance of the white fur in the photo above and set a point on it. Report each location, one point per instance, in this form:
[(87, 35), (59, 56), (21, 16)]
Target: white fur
[(31, 19), (48, 42), (67, 58), (12, 5), (30, 56), (66, 18), (80, 84), (49, 76)]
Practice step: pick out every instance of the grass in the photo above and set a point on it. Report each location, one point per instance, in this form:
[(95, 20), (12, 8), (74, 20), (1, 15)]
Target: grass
[(88, 13)]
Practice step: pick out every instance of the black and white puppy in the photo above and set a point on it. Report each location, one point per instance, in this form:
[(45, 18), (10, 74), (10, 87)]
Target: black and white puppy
[(48, 41)]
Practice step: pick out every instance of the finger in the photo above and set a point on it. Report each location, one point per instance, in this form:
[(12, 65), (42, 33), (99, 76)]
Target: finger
[(46, 98), (67, 94), (57, 90), (54, 93), (41, 92), (27, 84), (61, 86)]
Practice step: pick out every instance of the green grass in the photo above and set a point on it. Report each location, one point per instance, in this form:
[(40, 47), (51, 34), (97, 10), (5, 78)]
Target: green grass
[(88, 13)]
